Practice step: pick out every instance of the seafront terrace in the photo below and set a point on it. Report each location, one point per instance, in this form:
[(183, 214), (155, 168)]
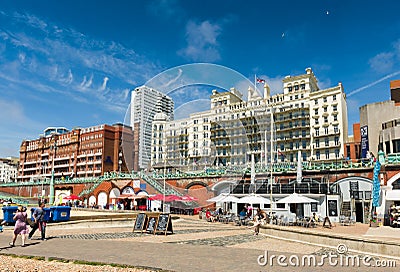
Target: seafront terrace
[(195, 245)]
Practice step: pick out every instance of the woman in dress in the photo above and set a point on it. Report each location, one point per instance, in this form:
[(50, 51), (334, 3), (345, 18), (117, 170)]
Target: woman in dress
[(21, 226)]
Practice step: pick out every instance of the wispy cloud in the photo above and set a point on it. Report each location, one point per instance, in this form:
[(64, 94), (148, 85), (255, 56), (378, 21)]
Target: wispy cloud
[(373, 83), (68, 61), (385, 62), (202, 41)]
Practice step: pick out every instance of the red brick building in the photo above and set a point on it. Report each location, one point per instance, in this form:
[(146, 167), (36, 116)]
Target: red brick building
[(81, 152)]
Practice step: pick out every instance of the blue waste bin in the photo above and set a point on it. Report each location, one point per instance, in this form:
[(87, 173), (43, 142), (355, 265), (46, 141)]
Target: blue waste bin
[(60, 213), (9, 212), (47, 214)]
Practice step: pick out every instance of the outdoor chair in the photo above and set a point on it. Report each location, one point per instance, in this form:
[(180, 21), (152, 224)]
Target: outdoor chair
[(291, 221)]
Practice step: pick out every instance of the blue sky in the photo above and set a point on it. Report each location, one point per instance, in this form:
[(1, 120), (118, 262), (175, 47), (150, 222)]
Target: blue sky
[(72, 63)]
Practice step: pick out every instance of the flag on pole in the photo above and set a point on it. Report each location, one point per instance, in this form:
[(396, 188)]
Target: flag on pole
[(259, 80)]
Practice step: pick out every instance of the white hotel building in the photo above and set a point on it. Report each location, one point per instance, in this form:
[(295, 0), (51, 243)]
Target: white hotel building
[(306, 119)]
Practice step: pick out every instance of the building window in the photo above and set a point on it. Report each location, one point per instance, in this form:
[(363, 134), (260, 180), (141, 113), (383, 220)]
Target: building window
[(316, 111), (317, 143), (325, 99), (325, 109), (334, 97), (327, 154), (334, 107), (335, 118), (337, 153), (336, 140), (318, 155), (296, 87), (303, 86), (316, 102), (290, 88), (316, 121), (317, 132), (326, 141), (326, 131), (325, 119), (336, 129)]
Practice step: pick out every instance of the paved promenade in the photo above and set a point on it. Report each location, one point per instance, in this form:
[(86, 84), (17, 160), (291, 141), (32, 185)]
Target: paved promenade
[(196, 245)]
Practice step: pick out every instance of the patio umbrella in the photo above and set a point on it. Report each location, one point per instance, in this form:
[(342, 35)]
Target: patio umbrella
[(296, 199), (230, 198), (217, 198), (157, 197), (254, 199), (188, 198), (72, 197), (170, 198)]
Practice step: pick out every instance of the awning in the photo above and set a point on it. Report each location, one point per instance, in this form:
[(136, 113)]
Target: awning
[(393, 195)]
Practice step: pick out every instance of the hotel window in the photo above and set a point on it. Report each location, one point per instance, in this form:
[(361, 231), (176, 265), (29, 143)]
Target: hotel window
[(336, 129), (316, 102), (326, 141), (325, 99), (334, 107), (336, 140), (335, 118), (316, 111), (326, 131), (334, 97), (325, 119), (317, 143), (296, 87), (290, 88), (303, 86), (325, 109), (327, 154)]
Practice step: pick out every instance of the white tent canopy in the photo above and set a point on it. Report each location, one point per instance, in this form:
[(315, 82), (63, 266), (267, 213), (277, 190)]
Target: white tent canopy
[(254, 199), (230, 198), (296, 198), (217, 198)]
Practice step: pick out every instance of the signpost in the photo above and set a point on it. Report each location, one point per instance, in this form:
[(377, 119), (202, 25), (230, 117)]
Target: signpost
[(140, 222), (164, 223)]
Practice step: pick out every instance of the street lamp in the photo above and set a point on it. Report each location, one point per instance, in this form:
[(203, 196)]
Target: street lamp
[(271, 158), (54, 147)]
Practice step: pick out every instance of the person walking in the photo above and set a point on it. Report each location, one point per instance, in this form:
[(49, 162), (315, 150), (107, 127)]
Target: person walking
[(21, 227), (39, 223)]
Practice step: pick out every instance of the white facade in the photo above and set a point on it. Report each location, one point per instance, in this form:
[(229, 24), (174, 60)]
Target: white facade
[(306, 119), (8, 172), (145, 103)]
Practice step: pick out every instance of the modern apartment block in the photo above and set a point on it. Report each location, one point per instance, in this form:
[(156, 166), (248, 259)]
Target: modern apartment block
[(145, 103), (81, 152), (8, 170), (304, 118)]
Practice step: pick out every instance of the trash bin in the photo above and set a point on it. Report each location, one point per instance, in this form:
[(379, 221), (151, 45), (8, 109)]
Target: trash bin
[(8, 213), (47, 214), (60, 213)]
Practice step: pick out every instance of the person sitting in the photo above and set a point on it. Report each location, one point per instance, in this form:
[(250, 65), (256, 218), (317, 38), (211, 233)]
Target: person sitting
[(243, 216), (209, 216)]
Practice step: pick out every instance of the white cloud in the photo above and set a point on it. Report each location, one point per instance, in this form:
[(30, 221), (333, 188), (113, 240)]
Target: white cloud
[(104, 85), (202, 44), (383, 62), (51, 56)]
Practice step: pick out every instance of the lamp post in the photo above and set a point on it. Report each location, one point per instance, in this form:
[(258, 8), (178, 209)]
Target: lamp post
[(164, 150), (51, 199), (271, 158)]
